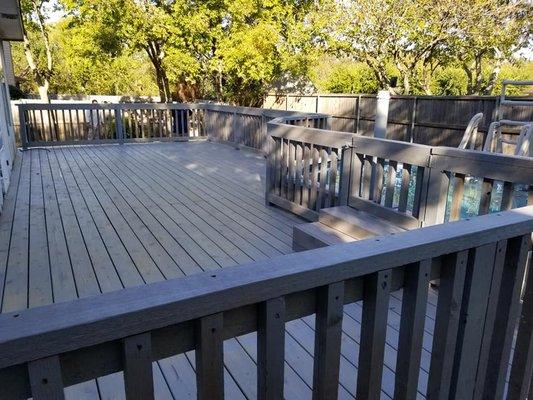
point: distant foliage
(345, 77)
(237, 51)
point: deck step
(353, 222)
(315, 235)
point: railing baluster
(45, 379)
(378, 180)
(452, 277)
(332, 179)
(391, 183)
(507, 196)
(291, 179)
(486, 196)
(457, 196)
(328, 334)
(323, 179)
(478, 280)
(314, 179)
(373, 332)
(209, 356)
(271, 349)
(522, 365)
(306, 166)
(368, 178)
(507, 313)
(138, 374)
(298, 175)
(404, 188)
(413, 317)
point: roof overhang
(10, 21)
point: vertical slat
(328, 334)
(451, 286)
(278, 161)
(306, 166)
(271, 349)
(472, 319)
(346, 166)
(391, 183)
(291, 179)
(332, 179)
(138, 374)
(366, 177)
(373, 332)
(323, 179)
(284, 167)
(356, 175)
(378, 180)
(209, 358)
(420, 190)
(298, 175)
(491, 318)
(457, 197)
(314, 178)
(414, 303)
(486, 196)
(507, 196)
(522, 365)
(404, 189)
(45, 379)
(434, 203)
(507, 314)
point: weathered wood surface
(432, 120)
(121, 216)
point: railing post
(382, 114)
(23, 128)
(346, 166)
(118, 125)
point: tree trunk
(493, 77)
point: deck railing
(410, 184)
(481, 264)
(43, 124)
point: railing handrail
(43, 331)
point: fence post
(23, 128)
(382, 114)
(118, 125)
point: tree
(489, 32)
(421, 36)
(37, 46)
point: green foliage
(344, 77)
(235, 51)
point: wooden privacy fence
(409, 184)
(431, 120)
(480, 262)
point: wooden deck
(79, 221)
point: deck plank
(107, 217)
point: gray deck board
(79, 221)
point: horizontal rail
(84, 338)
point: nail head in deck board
(328, 333)
(45, 379)
(413, 318)
(209, 356)
(271, 349)
(373, 332)
(138, 373)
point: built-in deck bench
(340, 224)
